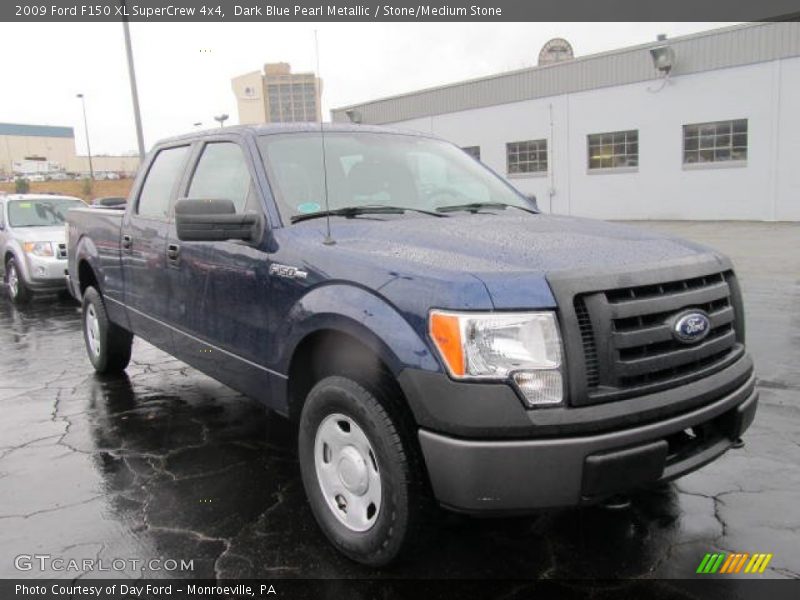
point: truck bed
(98, 228)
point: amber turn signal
(445, 331)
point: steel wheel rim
(348, 472)
(92, 330)
(13, 281)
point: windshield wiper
(474, 207)
(353, 211)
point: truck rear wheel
(107, 344)
(357, 459)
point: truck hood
(510, 253)
(54, 233)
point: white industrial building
(714, 134)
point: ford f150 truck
(436, 338)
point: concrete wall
(60, 150)
(766, 188)
(786, 179)
(17, 147)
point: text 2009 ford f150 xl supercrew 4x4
(435, 337)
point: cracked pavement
(168, 463)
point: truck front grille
(627, 338)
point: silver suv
(33, 244)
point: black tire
(403, 499)
(109, 345)
(66, 297)
(18, 290)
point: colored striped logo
(736, 562)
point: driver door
(220, 290)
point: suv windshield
(40, 212)
(377, 169)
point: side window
(160, 181)
(222, 174)
(2, 214)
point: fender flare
(86, 251)
(363, 315)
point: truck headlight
(522, 347)
(38, 248)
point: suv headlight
(522, 347)
(38, 248)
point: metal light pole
(86, 129)
(132, 76)
(221, 119)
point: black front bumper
(518, 475)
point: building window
(473, 151)
(613, 150)
(719, 141)
(527, 157)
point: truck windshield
(40, 212)
(378, 169)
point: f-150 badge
(287, 272)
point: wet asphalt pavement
(168, 463)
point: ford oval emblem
(691, 327)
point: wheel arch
(86, 276)
(86, 259)
(338, 350)
(366, 328)
(15, 251)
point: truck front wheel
(17, 288)
(362, 481)
(107, 344)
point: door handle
(127, 242)
(173, 252)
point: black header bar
(277, 11)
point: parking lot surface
(166, 463)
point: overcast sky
(184, 70)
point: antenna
(329, 241)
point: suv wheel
(107, 344)
(18, 290)
(362, 480)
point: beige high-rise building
(277, 95)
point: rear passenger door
(220, 290)
(143, 246)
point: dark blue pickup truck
(436, 338)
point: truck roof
(276, 128)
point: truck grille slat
(640, 360)
(668, 303)
(642, 336)
(642, 351)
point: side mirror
(213, 221)
(532, 199)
